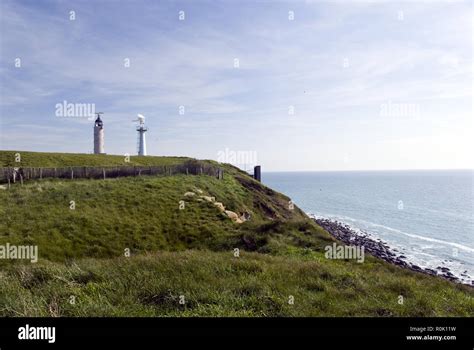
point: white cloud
(424, 59)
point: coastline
(379, 249)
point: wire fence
(12, 175)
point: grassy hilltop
(188, 252)
(41, 159)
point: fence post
(103, 172)
(257, 173)
(41, 173)
(72, 173)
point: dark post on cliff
(257, 173)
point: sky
(290, 85)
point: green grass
(140, 213)
(50, 160)
(219, 284)
(189, 252)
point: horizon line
(362, 170)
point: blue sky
(310, 93)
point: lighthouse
(141, 129)
(99, 135)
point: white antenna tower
(142, 129)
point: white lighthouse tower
(142, 129)
(98, 135)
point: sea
(425, 215)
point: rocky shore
(378, 248)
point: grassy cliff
(182, 248)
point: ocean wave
(373, 224)
(415, 255)
(428, 239)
